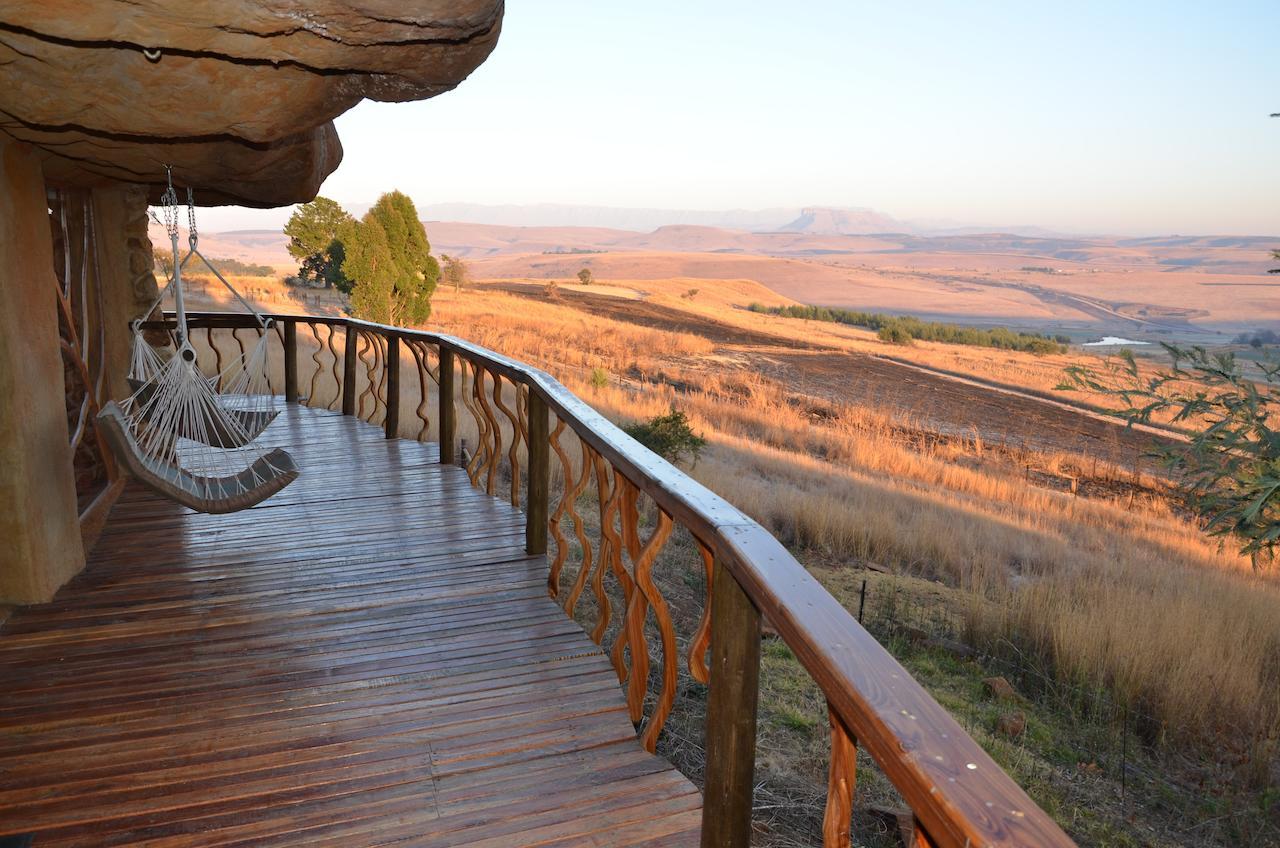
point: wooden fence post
(731, 714)
(291, 361)
(392, 424)
(349, 372)
(536, 507)
(448, 415)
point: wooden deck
(368, 658)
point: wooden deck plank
(368, 658)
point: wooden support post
(392, 424)
(291, 361)
(536, 507)
(448, 414)
(731, 714)
(349, 372)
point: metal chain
(169, 204)
(192, 235)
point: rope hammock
(187, 436)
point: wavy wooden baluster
(469, 394)
(513, 452)
(315, 358)
(568, 499)
(278, 326)
(580, 582)
(336, 361)
(368, 343)
(841, 781)
(421, 357)
(522, 420)
(493, 431)
(235, 334)
(648, 589)
(379, 365)
(553, 522)
(522, 410)
(610, 552)
(217, 354)
(636, 604)
(701, 642)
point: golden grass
(1121, 591)
(1118, 590)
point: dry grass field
(1039, 532)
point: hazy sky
(1096, 117)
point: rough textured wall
(238, 95)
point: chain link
(169, 205)
(192, 235)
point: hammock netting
(190, 436)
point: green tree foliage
(389, 259)
(584, 276)
(313, 232)
(1275, 254)
(894, 333)
(370, 265)
(455, 272)
(1230, 470)
(669, 436)
(903, 329)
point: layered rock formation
(237, 95)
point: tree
(370, 265)
(389, 258)
(669, 436)
(584, 276)
(455, 272)
(1230, 469)
(313, 232)
(1275, 254)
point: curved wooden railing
(520, 417)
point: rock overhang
(238, 96)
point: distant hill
(616, 218)
(821, 220)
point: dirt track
(937, 401)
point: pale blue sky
(1084, 116)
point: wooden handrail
(958, 794)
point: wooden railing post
(731, 714)
(291, 361)
(448, 414)
(537, 505)
(392, 424)
(349, 372)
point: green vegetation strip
(904, 329)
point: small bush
(584, 276)
(894, 334)
(669, 436)
(552, 290)
(690, 294)
(599, 378)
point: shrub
(599, 376)
(584, 276)
(669, 436)
(894, 334)
(1230, 471)
(902, 329)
